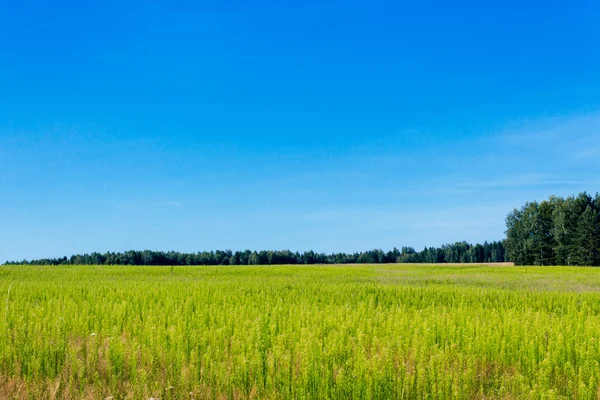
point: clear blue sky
(333, 126)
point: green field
(307, 332)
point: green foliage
(588, 238)
(311, 332)
(555, 231)
(457, 252)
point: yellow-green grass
(306, 332)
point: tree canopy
(459, 252)
(556, 231)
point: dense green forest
(459, 252)
(556, 231)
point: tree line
(556, 231)
(459, 252)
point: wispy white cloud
(365, 227)
(589, 153)
(574, 136)
(552, 154)
(170, 204)
(524, 180)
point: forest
(460, 252)
(557, 231)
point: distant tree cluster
(556, 231)
(460, 252)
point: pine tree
(566, 217)
(588, 238)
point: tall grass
(339, 332)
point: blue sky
(333, 126)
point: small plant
(306, 332)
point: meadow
(304, 332)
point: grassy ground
(310, 332)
